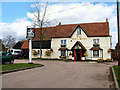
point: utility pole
(118, 24)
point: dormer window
(78, 31)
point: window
(63, 42)
(63, 52)
(95, 53)
(39, 53)
(78, 31)
(95, 41)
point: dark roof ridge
(82, 23)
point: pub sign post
(30, 35)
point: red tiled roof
(63, 49)
(63, 31)
(25, 45)
(96, 48)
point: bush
(108, 60)
(100, 60)
(48, 53)
(34, 52)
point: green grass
(117, 72)
(6, 67)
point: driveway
(59, 74)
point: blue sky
(13, 14)
(13, 10)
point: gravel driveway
(59, 74)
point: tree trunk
(41, 42)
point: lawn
(117, 72)
(7, 67)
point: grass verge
(117, 72)
(6, 67)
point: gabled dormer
(78, 32)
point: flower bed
(102, 60)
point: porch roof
(63, 49)
(96, 48)
(80, 44)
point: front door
(77, 55)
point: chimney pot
(106, 19)
(59, 23)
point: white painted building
(89, 41)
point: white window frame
(66, 52)
(79, 31)
(93, 53)
(64, 42)
(39, 52)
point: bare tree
(39, 19)
(8, 41)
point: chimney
(59, 23)
(106, 19)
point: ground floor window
(39, 52)
(95, 53)
(63, 52)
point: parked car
(16, 53)
(6, 57)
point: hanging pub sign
(30, 32)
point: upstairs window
(63, 42)
(95, 41)
(78, 31)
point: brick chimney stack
(59, 23)
(106, 19)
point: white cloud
(17, 29)
(114, 38)
(80, 13)
(68, 13)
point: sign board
(30, 32)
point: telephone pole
(118, 26)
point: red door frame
(80, 55)
(74, 55)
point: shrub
(70, 53)
(108, 60)
(100, 60)
(34, 52)
(48, 53)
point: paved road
(58, 74)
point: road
(59, 74)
